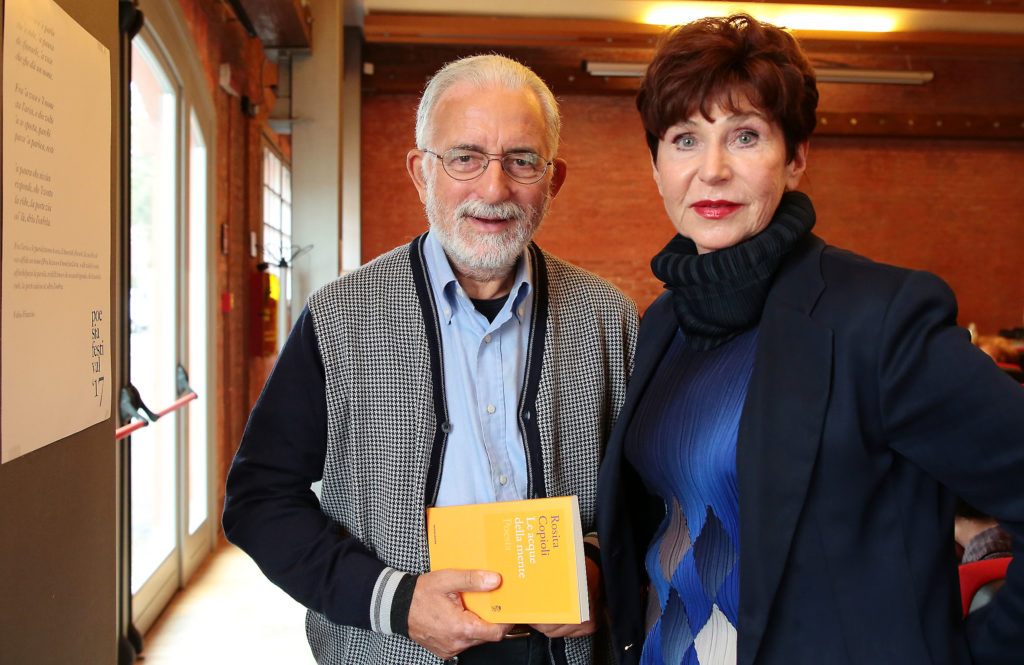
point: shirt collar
(446, 288)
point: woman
(780, 483)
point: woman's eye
(685, 142)
(746, 138)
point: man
(466, 367)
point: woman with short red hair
(780, 484)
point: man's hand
(578, 629)
(440, 622)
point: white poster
(56, 309)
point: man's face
(485, 223)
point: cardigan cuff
(389, 606)
(401, 603)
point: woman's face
(722, 179)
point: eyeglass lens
(523, 167)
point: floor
(229, 613)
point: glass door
(152, 311)
(169, 333)
(196, 534)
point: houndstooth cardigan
(378, 338)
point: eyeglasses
(526, 168)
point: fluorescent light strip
(635, 69)
(792, 17)
(828, 75)
(840, 75)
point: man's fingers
(453, 581)
(439, 621)
(471, 580)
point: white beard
(483, 256)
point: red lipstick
(715, 209)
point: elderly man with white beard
(469, 366)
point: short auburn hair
(720, 60)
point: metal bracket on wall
(921, 125)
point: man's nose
(494, 184)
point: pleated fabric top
(682, 441)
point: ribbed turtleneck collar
(718, 295)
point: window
(277, 232)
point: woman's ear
(414, 165)
(796, 166)
(657, 174)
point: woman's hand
(578, 629)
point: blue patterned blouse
(682, 441)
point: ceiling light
(791, 17)
(842, 75)
(615, 68)
(823, 74)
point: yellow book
(535, 544)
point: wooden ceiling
(975, 94)
(976, 91)
(406, 48)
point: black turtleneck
(718, 295)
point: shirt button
(447, 311)
(487, 338)
(520, 311)
(490, 408)
(502, 479)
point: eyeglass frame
(492, 157)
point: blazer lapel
(657, 328)
(779, 435)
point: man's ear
(414, 165)
(558, 175)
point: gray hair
(486, 71)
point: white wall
(316, 153)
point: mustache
(503, 210)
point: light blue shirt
(484, 366)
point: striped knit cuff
(392, 595)
(400, 604)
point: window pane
(286, 220)
(277, 231)
(274, 181)
(271, 245)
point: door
(169, 328)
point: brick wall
(950, 206)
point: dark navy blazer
(867, 411)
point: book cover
(535, 544)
